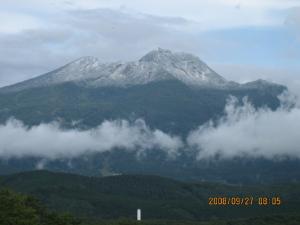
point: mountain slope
(172, 92)
(168, 105)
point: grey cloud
(245, 73)
(30, 53)
(108, 34)
(51, 142)
(293, 18)
(292, 25)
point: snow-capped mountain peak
(82, 68)
(157, 56)
(159, 64)
(184, 67)
(86, 61)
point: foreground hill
(159, 198)
(20, 209)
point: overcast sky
(241, 39)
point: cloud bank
(51, 141)
(246, 131)
(242, 131)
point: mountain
(175, 92)
(159, 198)
(172, 92)
(157, 65)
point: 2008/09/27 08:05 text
(244, 201)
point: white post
(139, 215)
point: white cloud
(243, 131)
(246, 131)
(51, 141)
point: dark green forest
(170, 106)
(57, 198)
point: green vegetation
(170, 106)
(20, 209)
(267, 220)
(159, 198)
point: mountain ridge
(157, 65)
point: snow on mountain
(159, 64)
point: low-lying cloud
(51, 141)
(242, 131)
(246, 131)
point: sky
(242, 40)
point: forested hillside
(159, 198)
